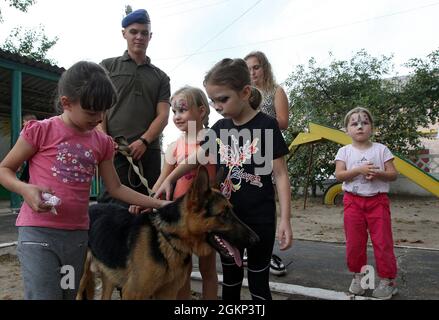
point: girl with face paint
(247, 147)
(191, 114)
(366, 168)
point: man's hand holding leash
(138, 148)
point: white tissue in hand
(52, 200)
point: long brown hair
(234, 74)
(89, 84)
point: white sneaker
(355, 287)
(386, 289)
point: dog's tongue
(235, 252)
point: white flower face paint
(359, 128)
(359, 120)
(180, 105)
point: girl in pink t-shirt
(366, 168)
(191, 113)
(63, 153)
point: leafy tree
(323, 95)
(32, 43)
(21, 5)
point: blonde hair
(357, 110)
(268, 82)
(195, 97)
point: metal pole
(16, 121)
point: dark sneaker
(276, 266)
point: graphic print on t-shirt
(234, 157)
(360, 179)
(74, 163)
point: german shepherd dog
(148, 255)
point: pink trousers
(363, 214)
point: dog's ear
(199, 187)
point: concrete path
(317, 270)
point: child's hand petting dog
(134, 209)
(138, 209)
(165, 203)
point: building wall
(403, 186)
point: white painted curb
(10, 244)
(285, 288)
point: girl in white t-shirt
(366, 167)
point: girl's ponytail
(206, 118)
(255, 98)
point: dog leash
(124, 149)
(168, 239)
(166, 236)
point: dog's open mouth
(225, 248)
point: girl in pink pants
(366, 168)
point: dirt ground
(415, 223)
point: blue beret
(138, 16)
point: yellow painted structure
(331, 193)
(318, 132)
